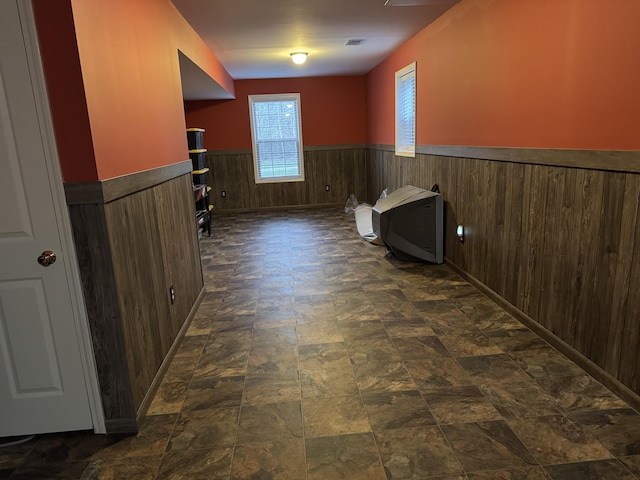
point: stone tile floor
(316, 357)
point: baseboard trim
(604, 377)
(157, 380)
(121, 425)
(218, 211)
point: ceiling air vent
(354, 42)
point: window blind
(276, 137)
(406, 111)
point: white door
(42, 378)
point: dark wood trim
(381, 146)
(118, 187)
(84, 193)
(105, 191)
(153, 389)
(320, 148)
(312, 148)
(610, 160)
(121, 425)
(591, 368)
(278, 208)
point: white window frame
(292, 97)
(406, 111)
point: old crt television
(410, 223)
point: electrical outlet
(172, 294)
(224, 194)
(327, 188)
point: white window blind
(276, 134)
(406, 111)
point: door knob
(47, 258)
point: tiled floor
(315, 357)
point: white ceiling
(253, 38)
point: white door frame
(62, 214)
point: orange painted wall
(333, 111)
(525, 73)
(128, 55)
(61, 62)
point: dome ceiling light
(299, 57)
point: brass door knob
(47, 258)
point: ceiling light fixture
(299, 57)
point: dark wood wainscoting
(560, 244)
(341, 167)
(93, 249)
(131, 250)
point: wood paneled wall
(93, 249)
(342, 168)
(560, 244)
(131, 250)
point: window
(406, 111)
(276, 133)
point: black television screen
(410, 223)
